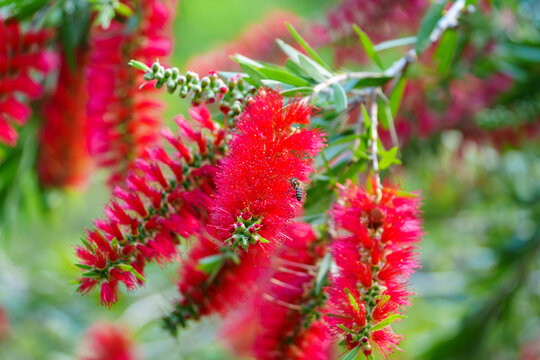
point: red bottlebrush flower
(123, 119)
(106, 341)
(63, 154)
(288, 309)
(375, 256)
(256, 41)
(4, 324)
(254, 199)
(165, 196)
(21, 58)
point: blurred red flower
(124, 119)
(22, 57)
(63, 153)
(107, 341)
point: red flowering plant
(245, 194)
(238, 194)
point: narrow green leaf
(241, 59)
(324, 267)
(388, 158)
(284, 76)
(367, 121)
(343, 327)
(433, 15)
(372, 81)
(396, 96)
(411, 40)
(352, 300)
(308, 48)
(384, 323)
(139, 65)
(368, 46)
(123, 9)
(445, 51)
(263, 240)
(340, 97)
(296, 90)
(131, 269)
(352, 354)
(83, 266)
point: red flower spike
(21, 54)
(144, 219)
(255, 178)
(123, 119)
(375, 255)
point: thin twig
(374, 144)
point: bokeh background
(478, 292)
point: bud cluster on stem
(232, 94)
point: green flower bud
(205, 82)
(155, 67)
(171, 86)
(148, 76)
(183, 91)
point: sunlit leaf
(308, 48)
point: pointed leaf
(384, 323)
(445, 51)
(139, 65)
(131, 269)
(388, 158)
(367, 120)
(368, 46)
(316, 71)
(284, 76)
(296, 90)
(396, 96)
(352, 300)
(430, 20)
(352, 354)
